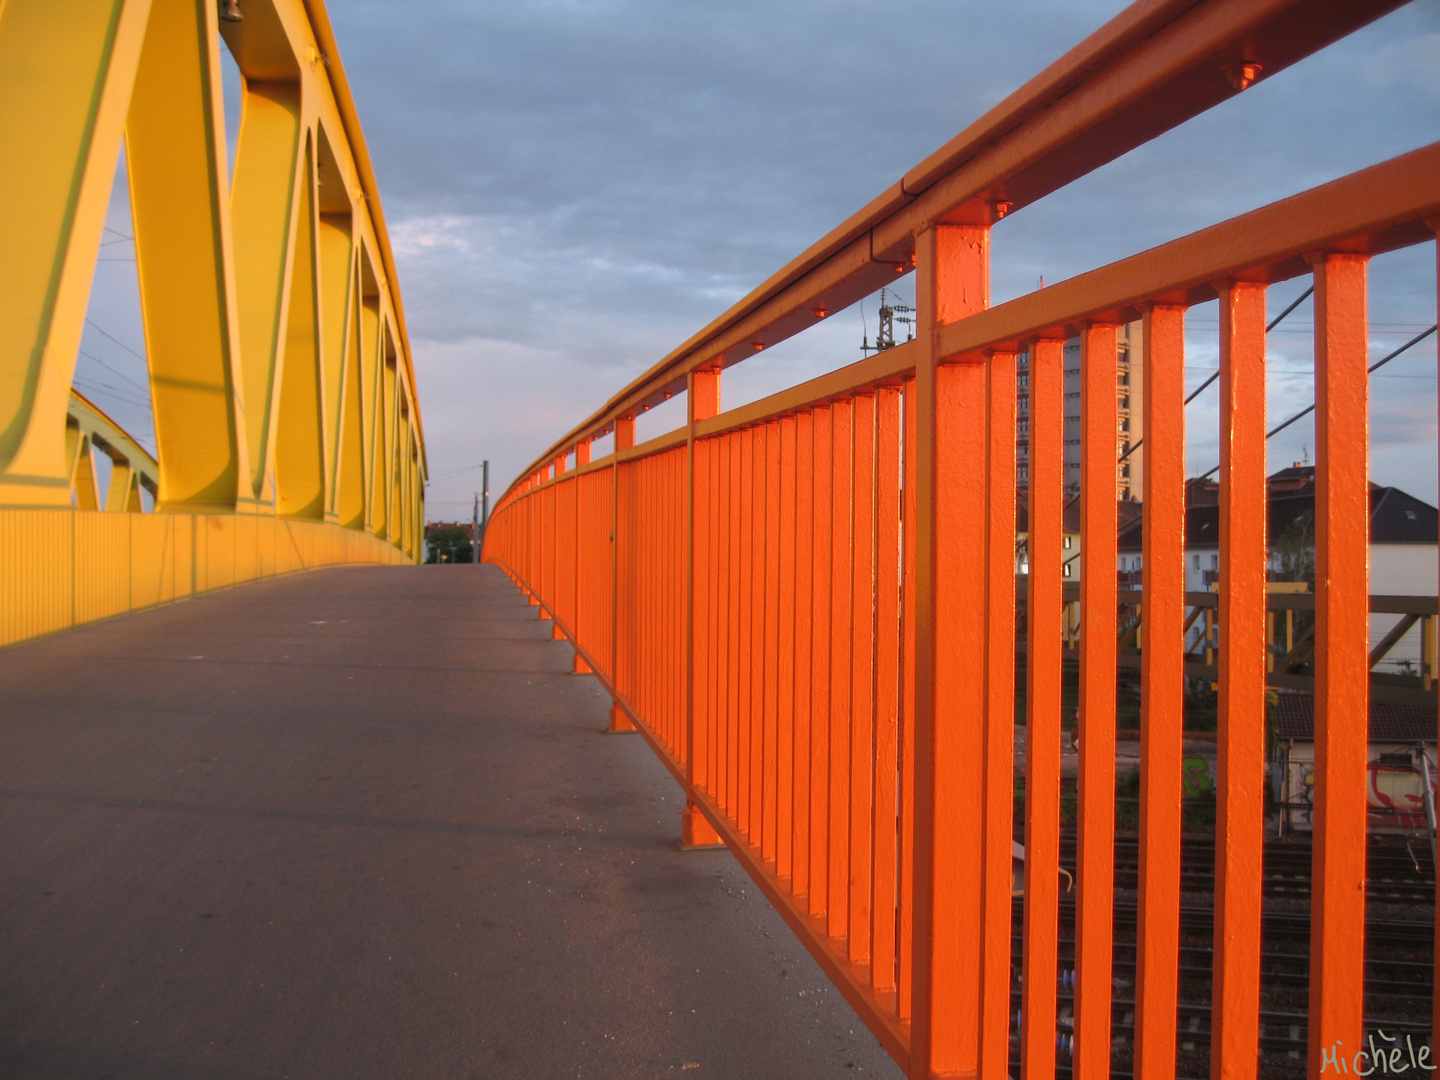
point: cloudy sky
(573, 187)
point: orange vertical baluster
(703, 401)
(785, 657)
(1342, 664)
(716, 688)
(656, 663)
(608, 509)
(904, 967)
(862, 680)
(759, 659)
(545, 539)
(571, 501)
(820, 666)
(804, 604)
(708, 579)
(1094, 914)
(1162, 693)
(680, 682)
(1429, 659)
(735, 630)
(755, 686)
(677, 513)
(670, 543)
(1045, 601)
(645, 664)
(670, 630)
(747, 629)
(769, 810)
(641, 585)
(999, 779)
(885, 777)
(842, 466)
(651, 659)
(1240, 801)
(952, 282)
(725, 625)
(701, 650)
(642, 661)
(618, 718)
(661, 660)
(677, 518)
(654, 614)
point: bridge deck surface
(361, 823)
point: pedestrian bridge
(364, 821)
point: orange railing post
(620, 721)
(952, 282)
(702, 402)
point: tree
(450, 544)
(1292, 553)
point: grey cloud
(576, 187)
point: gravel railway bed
(1399, 962)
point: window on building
(1067, 569)
(1214, 562)
(1197, 562)
(1067, 544)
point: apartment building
(1129, 473)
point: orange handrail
(808, 605)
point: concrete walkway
(361, 823)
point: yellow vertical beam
(123, 494)
(299, 439)
(417, 495)
(349, 482)
(85, 490)
(175, 147)
(335, 264)
(262, 220)
(385, 440)
(369, 318)
(399, 532)
(69, 69)
(407, 487)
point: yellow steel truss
(280, 370)
(88, 429)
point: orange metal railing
(808, 604)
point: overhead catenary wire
(1201, 388)
(1311, 407)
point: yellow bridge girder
(87, 430)
(280, 371)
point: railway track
(1399, 963)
